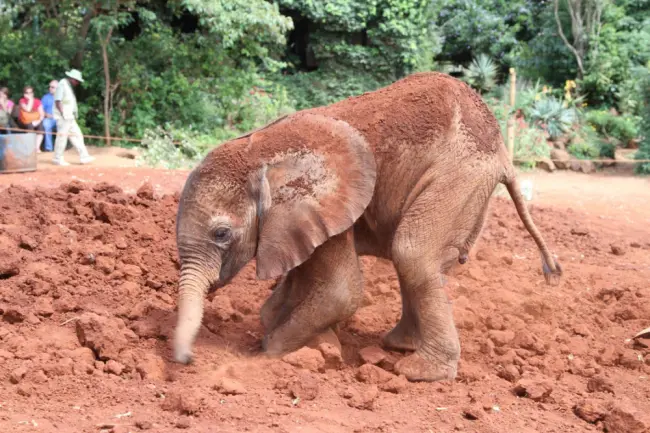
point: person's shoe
(61, 162)
(86, 159)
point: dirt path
(88, 277)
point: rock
(151, 367)
(534, 389)
(229, 386)
(583, 166)
(329, 337)
(560, 158)
(591, 411)
(114, 367)
(600, 384)
(509, 373)
(27, 243)
(43, 307)
(307, 358)
(529, 341)
(362, 399)
(473, 412)
(104, 336)
(65, 303)
(112, 213)
(332, 356)
(501, 338)
(146, 329)
(546, 164)
(38, 377)
(105, 264)
(396, 385)
(630, 359)
(183, 422)
(305, 386)
(14, 315)
(222, 308)
(625, 418)
(617, 249)
(580, 231)
(372, 374)
(607, 162)
(372, 355)
(153, 284)
(17, 375)
(146, 191)
(131, 270)
(388, 363)
(582, 329)
(32, 319)
(143, 424)
(9, 267)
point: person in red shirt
(31, 114)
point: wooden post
(511, 118)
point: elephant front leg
(314, 297)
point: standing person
(66, 113)
(31, 114)
(49, 123)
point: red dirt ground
(88, 277)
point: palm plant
(481, 73)
(551, 115)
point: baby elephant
(403, 173)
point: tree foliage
(193, 69)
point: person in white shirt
(65, 114)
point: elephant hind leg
(427, 243)
(323, 291)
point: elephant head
(274, 195)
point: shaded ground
(87, 295)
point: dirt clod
(372, 355)
(535, 389)
(229, 386)
(591, 411)
(307, 358)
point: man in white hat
(65, 114)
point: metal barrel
(18, 153)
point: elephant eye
(222, 234)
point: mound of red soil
(87, 306)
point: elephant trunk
(193, 288)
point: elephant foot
(399, 339)
(418, 369)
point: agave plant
(481, 73)
(550, 114)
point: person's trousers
(68, 129)
(48, 125)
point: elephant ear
(317, 178)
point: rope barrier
(138, 140)
(99, 137)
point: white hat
(75, 74)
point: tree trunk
(77, 61)
(107, 91)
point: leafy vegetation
(186, 75)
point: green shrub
(530, 145)
(623, 128)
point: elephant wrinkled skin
(403, 173)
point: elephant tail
(550, 267)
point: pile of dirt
(87, 306)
